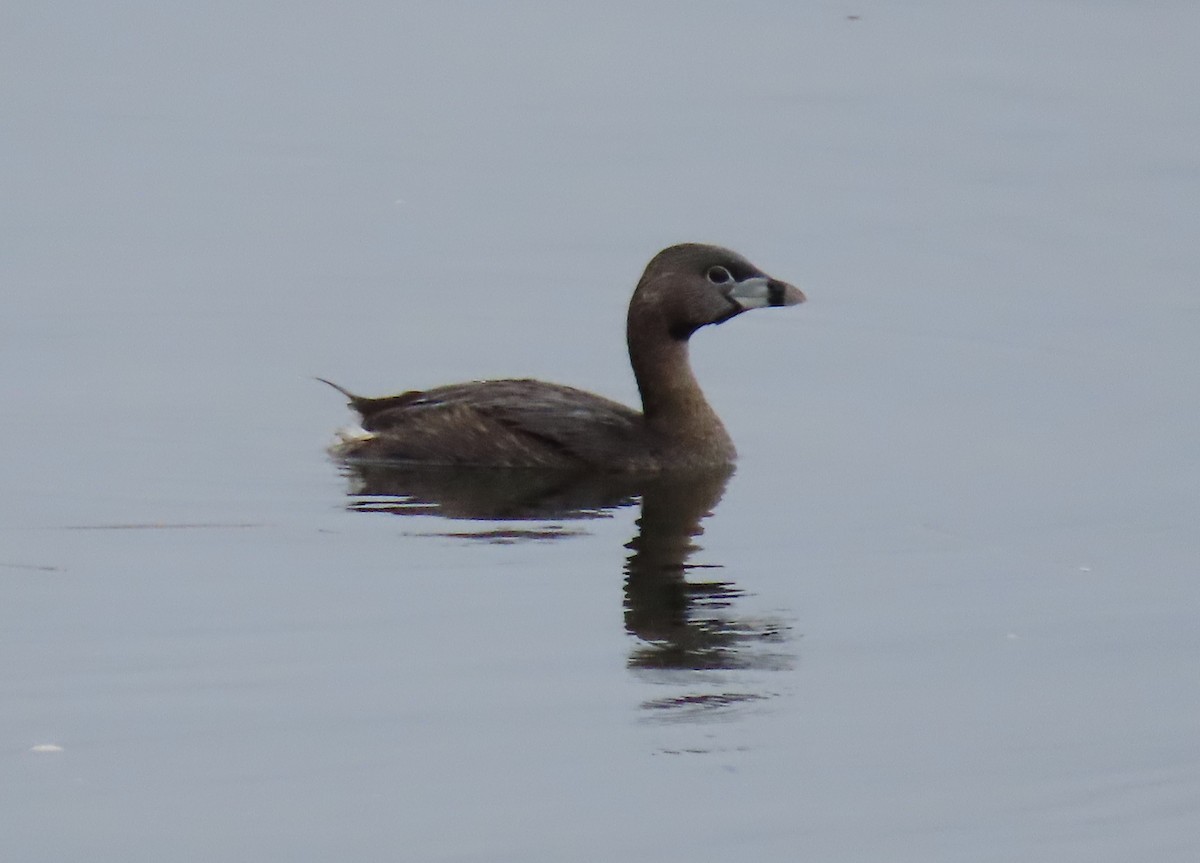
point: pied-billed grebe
(527, 423)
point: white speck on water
(46, 747)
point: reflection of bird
(516, 494)
(526, 423)
(685, 624)
(678, 624)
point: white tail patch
(347, 437)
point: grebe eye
(719, 275)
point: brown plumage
(528, 423)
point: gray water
(945, 610)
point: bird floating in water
(532, 424)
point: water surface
(946, 608)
